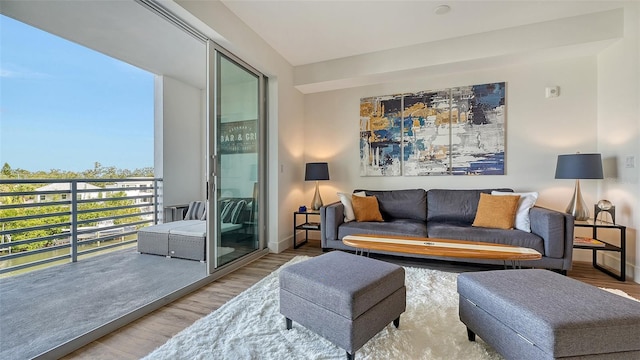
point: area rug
(250, 327)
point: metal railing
(51, 220)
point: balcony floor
(45, 308)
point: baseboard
(281, 245)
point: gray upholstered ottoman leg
(471, 335)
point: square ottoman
(155, 239)
(346, 299)
(538, 314)
(188, 242)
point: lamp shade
(579, 166)
(316, 171)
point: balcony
(69, 269)
(49, 221)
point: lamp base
(316, 204)
(577, 207)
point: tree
(98, 172)
(6, 171)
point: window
(64, 196)
(43, 197)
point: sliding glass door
(236, 156)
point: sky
(64, 106)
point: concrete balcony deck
(65, 305)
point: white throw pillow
(345, 199)
(527, 200)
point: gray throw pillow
(195, 211)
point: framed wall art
(455, 131)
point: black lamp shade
(316, 171)
(579, 166)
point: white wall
(537, 130)
(619, 132)
(179, 142)
(285, 111)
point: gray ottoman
(346, 299)
(538, 314)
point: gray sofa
(448, 214)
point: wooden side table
(306, 225)
(622, 249)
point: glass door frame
(213, 160)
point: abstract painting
(380, 135)
(456, 131)
(427, 133)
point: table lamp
(579, 166)
(316, 171)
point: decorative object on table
(302, 208)
(587, 241)
(579, 166)
(316, 171)
(416, 134)
(604, 206)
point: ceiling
(305, 32)
(124, 30)
(302, 31)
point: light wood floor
(144, 335)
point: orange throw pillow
(496, 211)
(366, 208)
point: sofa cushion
(461, 231)
(345, 199)
(498, 212)
(366, 208)
(527, 201)
(455, 205)
(195, 211)
(231, 210)
(401, 227)
(401, 204)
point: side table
(306, 225)
(622, 249)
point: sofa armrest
(556, 229)
(331, 216)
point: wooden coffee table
(441, 247)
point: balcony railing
(45, 220)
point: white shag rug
(250, 326)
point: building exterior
(65, 192)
